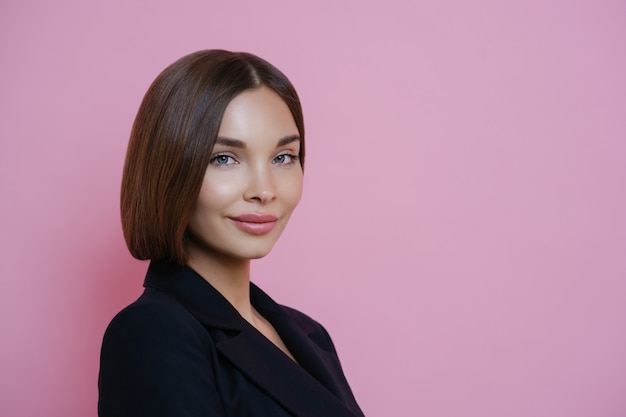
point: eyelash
(215, 157)
(293, 158)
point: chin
(260, 256)
(256, 254)
(248, 252)
(254, 250)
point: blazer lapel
(310, 345)
(280, 377)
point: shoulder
(295, 319)
(154, 331)
(300, 317)
(156, 359)
(317, 332)
(155, 318)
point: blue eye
(285, 159)
(223, 160)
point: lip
(255, 223)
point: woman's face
(253, 181)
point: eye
(222, 160)
(285, 159)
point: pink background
(462, 233)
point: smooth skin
(254, 170)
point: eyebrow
(236, 143)
(287, 140)
(233, 143)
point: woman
(213, 172)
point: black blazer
(182, 350)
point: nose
(261, 187)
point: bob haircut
(173, 137)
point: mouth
(255, 223)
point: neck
(229, 276)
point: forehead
(257, 114)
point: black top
(182, 349)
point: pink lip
(255, 223)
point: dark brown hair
(172, 140)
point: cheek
(293, 191)
(219, 193)
(210, 203)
